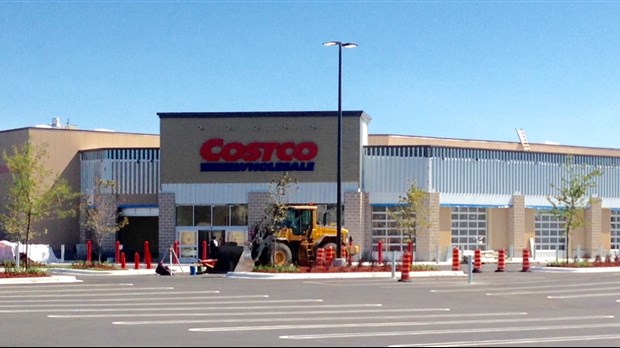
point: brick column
(257, 203)
(516, 224)
(357, 219)
(594, 227)
(427, 236)
(167, 221)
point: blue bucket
(192, 270)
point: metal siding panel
(237, 193)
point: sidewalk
(68, 275)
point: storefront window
(326, 214)
(185, 215)
(202, 215)
(239, 215)
(221, 215)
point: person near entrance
(214, 248)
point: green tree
(101, 215)
(35, 193)
(412, 214)
(572, 196)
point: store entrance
(207, 235)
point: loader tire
(282, 255)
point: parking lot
(509, 308)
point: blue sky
(457, 69)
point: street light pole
(339, 146)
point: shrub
(12, 271)
(93, 265)
(276, 269)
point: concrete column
(516, 224)
(594, 227)
(427, 237)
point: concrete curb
(39, 280)
(103, 272)
(342, 275)
(575, 269)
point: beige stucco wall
(63, 146)
(497, 228)
(593, 238)
(445, 233)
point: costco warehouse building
(211, 176)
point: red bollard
(526, 260)
(501, 261)
(405, 267)
(147, 254)
(380, 251)
(204, 249)
(477, 262)
(117, 252)
(136, 260)
(89, 250)
(176, 251)
(456, 264)
(123, 263)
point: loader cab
(300, 220)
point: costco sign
(257, 156)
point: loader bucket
(246, 263)
(228, 257)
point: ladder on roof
(523, 139)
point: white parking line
(12, 288)
(123, 292)
(583, 295)
(125, 305)
(388, 324)
(452, 331)
(244, 314)
(545, 291)
(579, 287)
(536, 340)
(166, 299)
(306, 319)
(107, 289)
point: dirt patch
(345, 269)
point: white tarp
(36, 252)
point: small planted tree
(275, 211)
(572, 197)
(411, 214)
(101, 215)
(35, 193)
